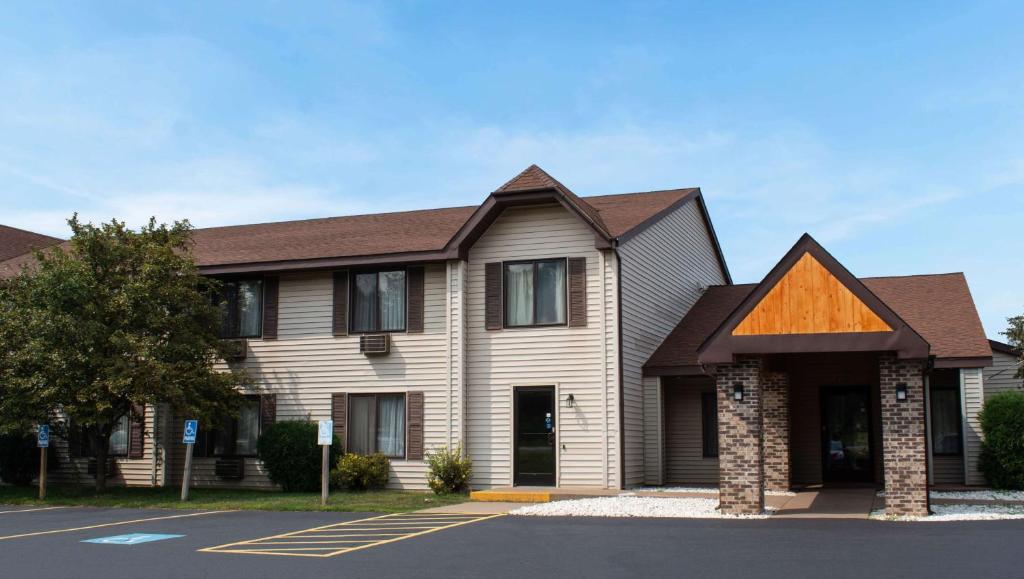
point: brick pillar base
(741, 472)
(775, 406)
(904, 450)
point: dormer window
(535, 293)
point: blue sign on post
(191, 428)
(43, 436)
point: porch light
(570, 400)
(901, 392)
(737, 392)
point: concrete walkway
(830, 503)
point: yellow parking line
(332, 544)
(30, 510)
(37, 533)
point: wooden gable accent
(809, 299)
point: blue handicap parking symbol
(191, 428)
(132, 539)
(43, 436)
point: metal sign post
(325, 435)
(43, 442)
(191, 429)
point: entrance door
(846, 434)
(535, 436)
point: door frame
(513, 430)
(866, 390)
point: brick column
(904, 450)
(775, 405)
(741, 470)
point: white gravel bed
(961, 513)
(702, 490)
(987, 495)
(631, 506)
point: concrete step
(510, 496)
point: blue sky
(892, 132)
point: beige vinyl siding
(973, 398)
(128, 472)
(685, 462)
(664, 269)
(306, 365)
(577, 361)
(1001, 375)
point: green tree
(114, 318)
(1015, 335)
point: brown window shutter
(136, 427)
(577, 292)
(339, 319)
(492, 296)
(414, 408)
(268, 410)
(271, 290)
(414, 324)
(339, 413)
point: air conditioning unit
(230, 468)
(375, 344)
(237, 349)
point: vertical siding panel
(664, 269)
(974, 398)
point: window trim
(263, 304)
(505, 285)
(376, 410)
(931, 419)
(353, 288)
(704, 442)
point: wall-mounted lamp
(570, 400)
(737, 392)
(901, 392)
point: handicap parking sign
(191, 428)
(132, 539)
(43, 436)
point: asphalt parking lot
(49, 543)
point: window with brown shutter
(414, 324)
(339, 412)
(271, 289)
(492, 295)
(339, 319)
(577, 292)
(415, 410)
(136, 440)
(268, 410)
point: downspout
(448, 343)
(928, 429)
(622, 399)
(963, 420)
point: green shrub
(449, 471)
(291, 455)
(1002, 452)
(361, 472)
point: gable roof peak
(530, 179)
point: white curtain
(946, 421)
(119, 438)
(248, 428)
(250, 307)
(365, 309)
(551, 292)
(391, 425)
(360, 420)
(392, 300)
(519, 294)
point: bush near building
(291, 455)
(1002, 452)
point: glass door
(846, 434)
(535, 436)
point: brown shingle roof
(939, 307)
(15, 242)
(407, 232)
